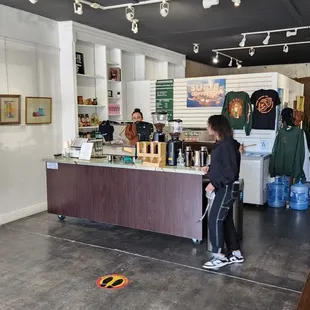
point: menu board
(164, 97)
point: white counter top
(105, 163)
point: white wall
(195, 69)
(138, 96)
(29, 66)
(292, 71)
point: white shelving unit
(114, 61)
(93, 84)
(101, 52)
(97, 82)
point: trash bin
(237, 215)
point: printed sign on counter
(206, 93)
(52, 166)
(264, 145)
(164, 97)
(86, 150)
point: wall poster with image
(9, 109)
(206, 93)
(79, 58)
(38, 110)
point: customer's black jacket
(225, 163)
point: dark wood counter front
(164, 202)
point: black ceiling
(214, 28)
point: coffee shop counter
(165, 200)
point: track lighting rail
(259, 46)
(95, 5)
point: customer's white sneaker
(216, 262)
(236, 257)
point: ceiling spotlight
(238, 64)
(230, 63)
(252, 51)
(208, 3)
(266, 41)
(78, 8)
(242, 43)
(33, 1)
(236, 2)
(196, 48)
(291, 33)
(216, 58)
(134, 26)
(130, 13)
(285, 48)
(95, 5)
(164, 8)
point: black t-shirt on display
(264, 112)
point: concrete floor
(48, 264)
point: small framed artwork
(9, 109)
(38, 110)
(79, 63)
(115, 74)
(110, 93)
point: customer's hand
(210, 188)
(205, 170)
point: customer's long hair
(220, 125)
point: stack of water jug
(279, 193)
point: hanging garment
(107, 130)
(237, 109)
(306, 166)
(288, 154)
(264, 112)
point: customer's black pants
(220, 222)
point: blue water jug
(299, 196)
(286, 181)
(308, 185)
(276, 195)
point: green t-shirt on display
(238, 110)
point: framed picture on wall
(9, 109)
(79, 63)
(38, 110)
(115, 74)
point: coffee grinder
(159, 121)
(173, 145)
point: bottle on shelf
(188, 157)
(180, 160)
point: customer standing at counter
(223, 172)
(131, 129)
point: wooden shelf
(89, 127)
(110, 63)
(91, 106)
(90, 76)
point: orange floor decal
(112, 282)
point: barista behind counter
(138, 130)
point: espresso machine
(159, 121)
(174, 144)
